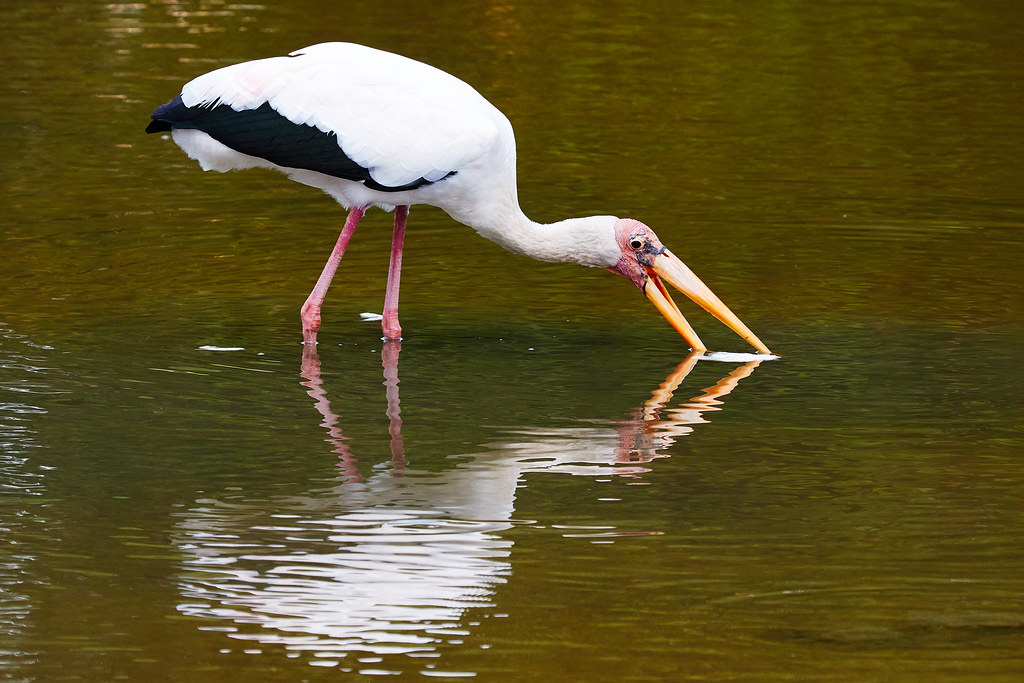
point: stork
(372, 128)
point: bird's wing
(402, 122)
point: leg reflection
(315, 388)
(314, 385)
(389, 358)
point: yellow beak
(670, 269)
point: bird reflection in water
(649, 430)
(402, 562)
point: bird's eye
(636, 243)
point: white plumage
(372, 128)
(399, 118)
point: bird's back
(372, 123)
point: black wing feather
(264, 133)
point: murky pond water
(539, 482)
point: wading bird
(371, 128)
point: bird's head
(648, 264)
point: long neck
(588, 241)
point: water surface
(539, 482)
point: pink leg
(310, 312)
(392, 330)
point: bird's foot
(310, 316)
(389, 324)
(309, 333)
(310, 320)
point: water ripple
(382, 581)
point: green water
(539, 484)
